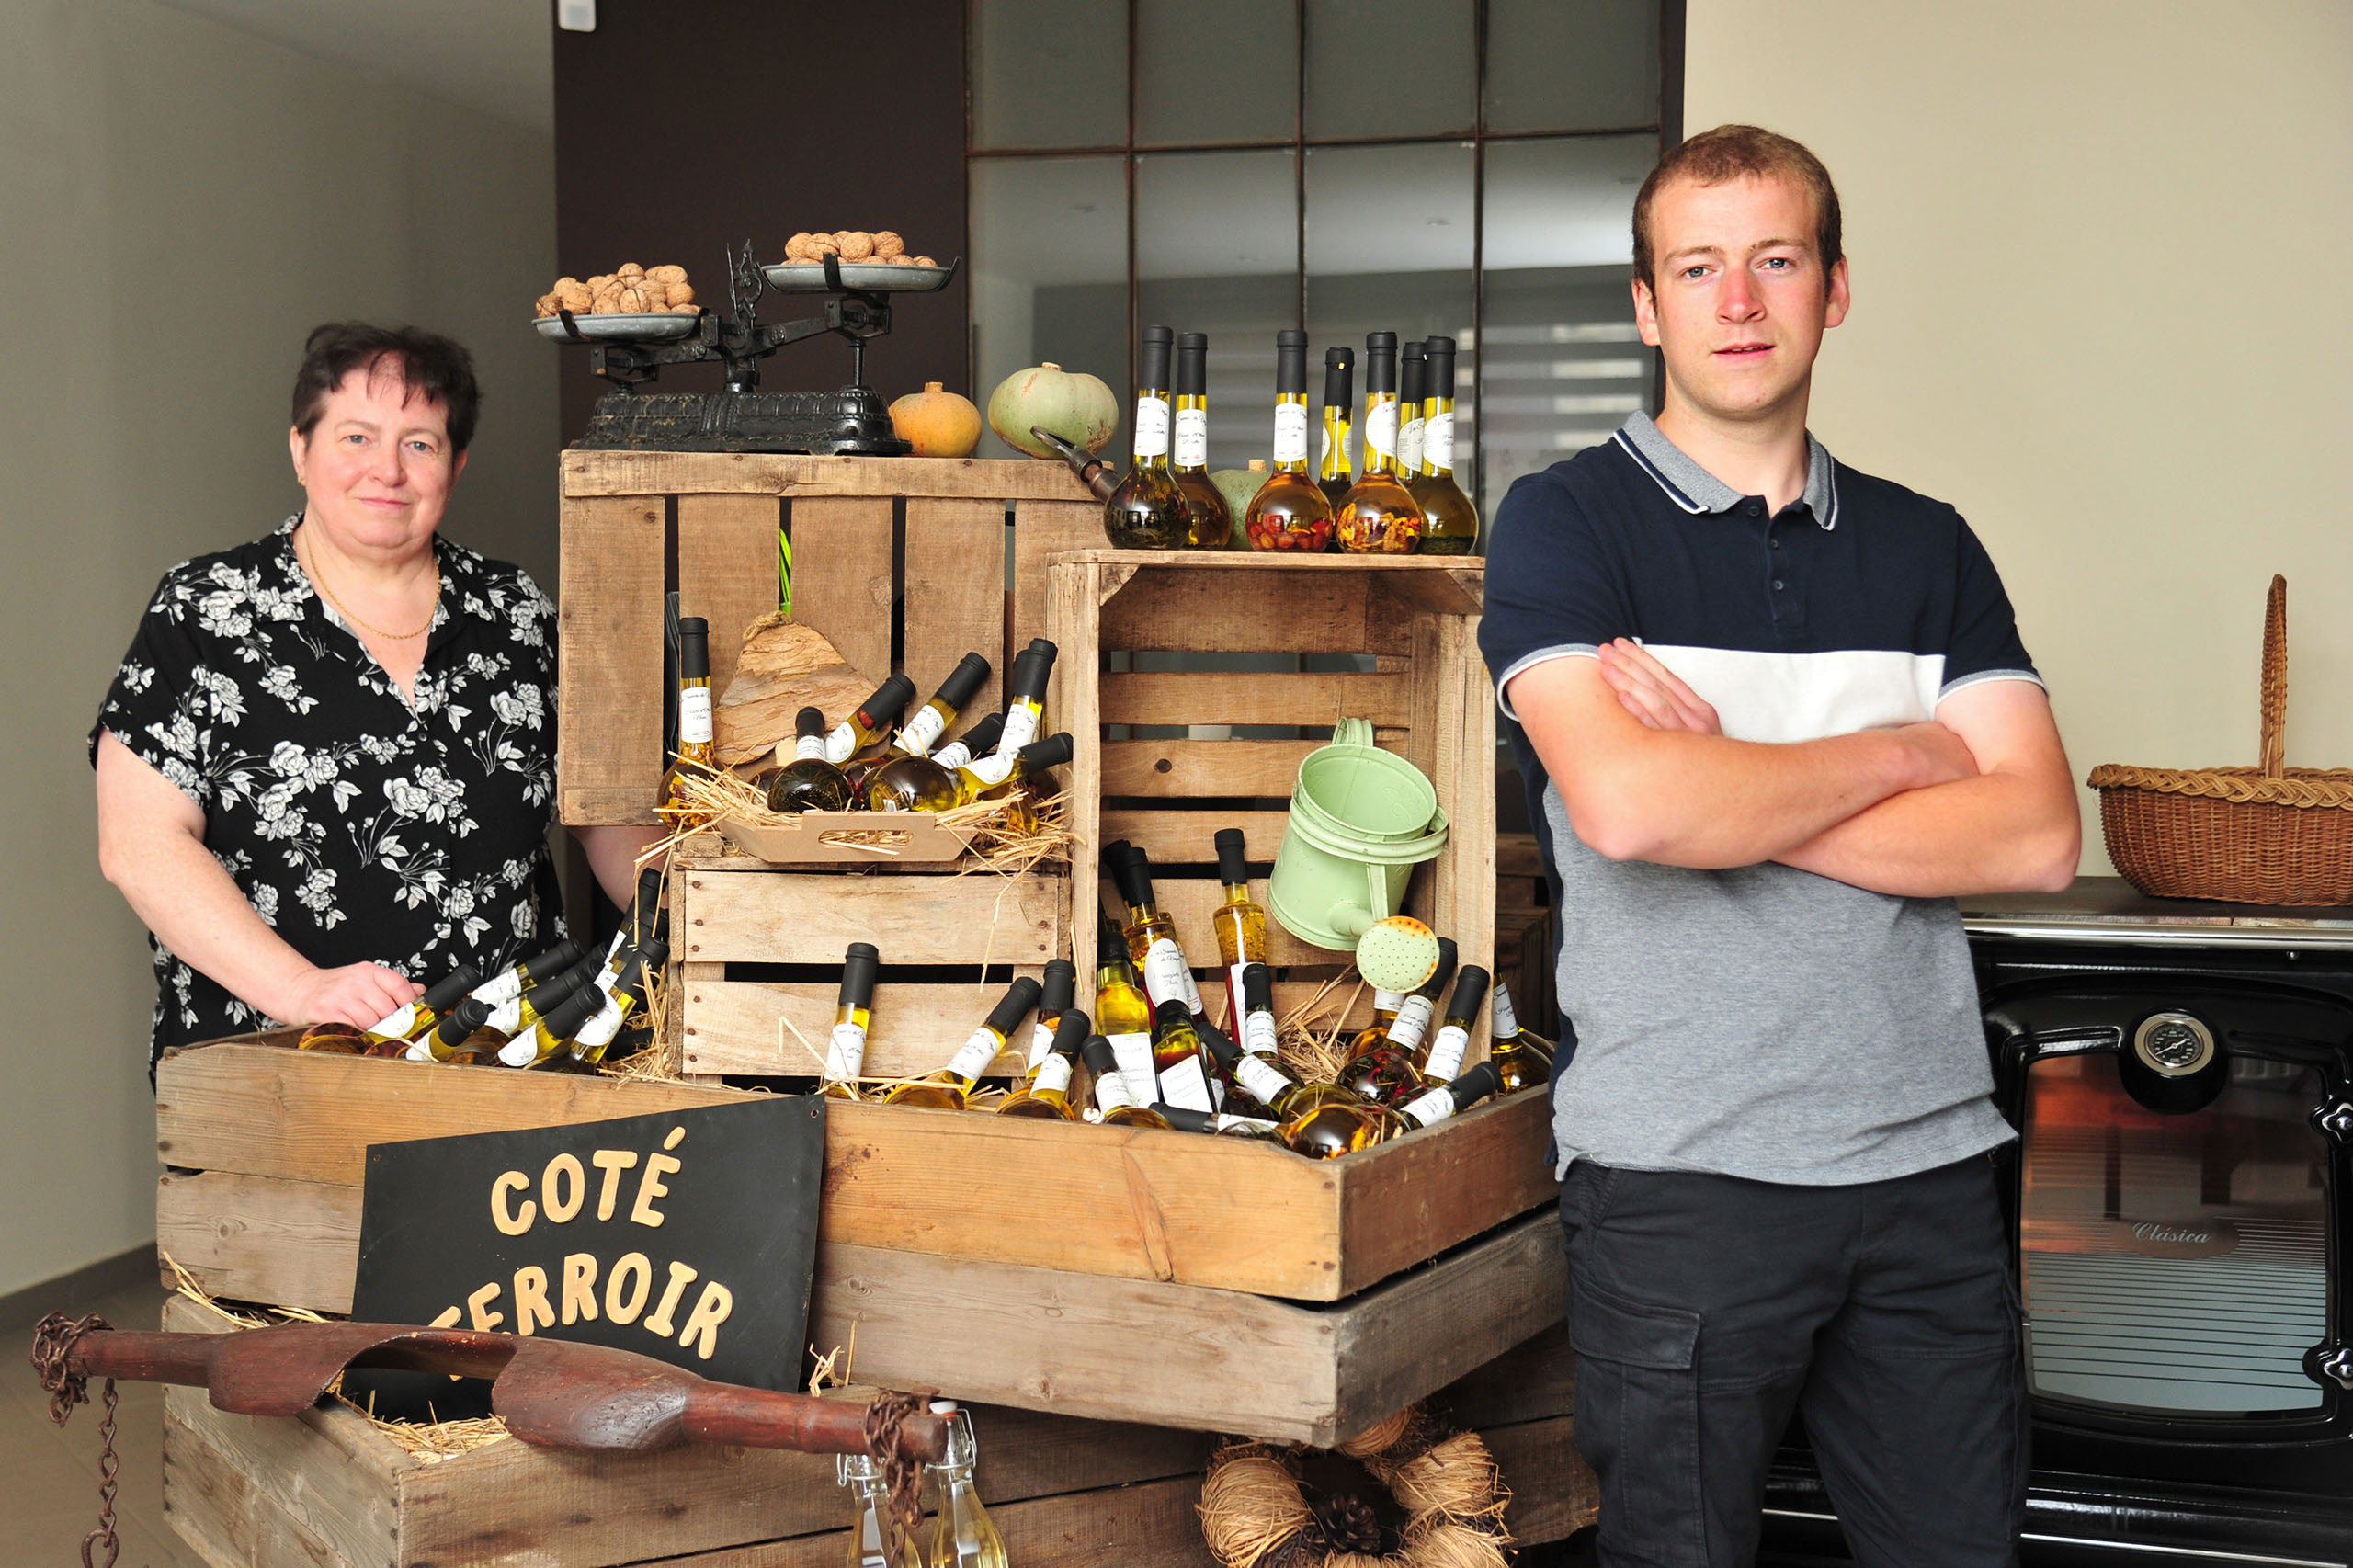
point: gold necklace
(320, 578)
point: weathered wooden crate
(327, 1489)
(898, 561)
(1102, 1272)
(1411, 621)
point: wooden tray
(814, 838)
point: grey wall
(181, 201)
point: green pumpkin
(1076, 407)
(1239, 486)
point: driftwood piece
(782, 668)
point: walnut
(561, 284)
(631, 270)
(888, 245)
(795, 247)
(574, 296)
(602, 281)
(669, 272)
(924, 261)
(857, 244)
(902, 259)
(546, 306)
(822, 244)
(634, 301)
(607, 303)
(686, 309)
(680, 295)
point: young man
(1773, 714)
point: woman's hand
(357, 994)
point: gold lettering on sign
(612, 1161)
(681, 1275)
(580, 1288)
(623, 1309)
(703, 1323)
(478, 1308)
(532, 1310)
(567, 1167)
(649, 1187)
(510, 1223)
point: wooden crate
(885, 550)
(1415, 620)
(327, 1489)
(1161, 1277)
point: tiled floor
(48, 1477)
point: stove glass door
(2174, 1264)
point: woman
(326, 768)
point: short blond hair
(1739, 151)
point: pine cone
(1348, 1522)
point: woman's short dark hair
(432, 366)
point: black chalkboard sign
(688, 1236)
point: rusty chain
(54, 1338)
(901, 1475)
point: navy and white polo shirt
(1762, 1022)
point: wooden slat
(737, 1026)
(955, 598)
(1272, 697)
(1553, 1494)
(1213, 610)
(269, 1492)
(1534, 1380)
(1182, 769)
(609, 659)
(766, 473)
(261, 1238)
(727, 561)
(1174, 837)
(784, 917)
(1041, 530)
(1517, 855)
(1416, 1190)
(841, 578)
(1415, 583)
(1074, 592)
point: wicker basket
(2270, 833)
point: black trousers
(1704, 1309)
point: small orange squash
(935, 422)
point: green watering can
(1361, 818)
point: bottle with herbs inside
(1290, 510)
(1449, 522)
(1383, 1072)
(1148, 510)
(1379, 516)
(1210, 525)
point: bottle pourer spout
(1092, 470)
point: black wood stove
(2181, 1077)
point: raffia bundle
(1258, 1510)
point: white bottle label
(953, 755)
(1259, 1080)
(841, 742)
(993, 770)
(1504, 1022)
(1434, 1106)
(396, 1024)
(1409, 448)
(1256, 1124)
(694, 714)
(599, 1031)
(506, 1017)
(973, 1057)
(808, 748)
(502, 987)
(1192, 437)
(1437, 440)
(1054, 1075)
(1020, 728)
(1387, 1002)
(1166, 977)
(922, 729)
(845, 1054)
(1152, 427)
(1133, 1053)
(522, 1050)
(1042, 1042)
(1380, 429)
(1258, 1033)
(1185, 1085)
(1112, 1091)
(1290, 432)
(1446, 1052)
(1413, 1022)
(418, 1050)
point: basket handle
(2274, 760)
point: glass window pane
(1572, 64)
(1389, 249)
(1216, 71)
(1049, 271)
(1217, 251)
(1391, 67)
(1561, 363)
(1049, 74)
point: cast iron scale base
(743, 418)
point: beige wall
(181, 202)
(2097, 253)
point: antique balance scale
(630, 351)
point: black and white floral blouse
(361, 829)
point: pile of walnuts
(853, 244)
(632, 290)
